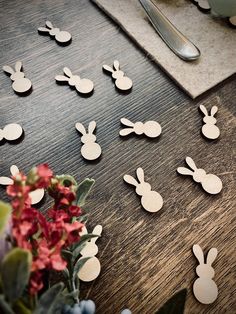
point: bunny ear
(140, 174)
(14, 170)
(67, 71)
(203, 110)
(107, 68)
(97, 231)
(8, 69)
(125, 132)
(127, 178)
(91, 127)
(184, 171)
(6, 181)
(126, 122)
(84, 231)
(61, 78)
(211, 256)
(43, 29)
(214, 110)
(198, 253)
(116, 65)
(79, 127)
(49, 24)
(18, 66)
(191, 163)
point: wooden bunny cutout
(91, 269)
(122, 82)
(149, 128)
(83, 86)
(36, 196)
(20, 83)
(210, 182)
(150, 200)
(209, 129)
(90, 150)
(60, 36)
(204, 288)
(11, 132)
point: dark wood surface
(145, 257)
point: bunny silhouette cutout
(90, 150)
(20, 83)
(204, 288)
(36, 196)
(150, 200)
(60, 36)
(83, 86)
(149, 128)
(210, 182)
(202, 5)
(122, 82)
(92, 268)
(209, 129)
(11, 132)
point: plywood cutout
(20, 83)
(11, 132)
(150, 200)
(210, 182)
(204, 288)
(150, 128)
(62, 37)
(209, 129)
(90, 150)
(36, 196)
(92, 268)
(122, 82)
(83, 86)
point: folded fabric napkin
(215, 39)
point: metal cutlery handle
(176, 41)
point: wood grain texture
(145, 257)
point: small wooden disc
(210, 131)
(90, 270)
(12, 131)
(152, 129)
(205, 290)
(124, 83)
(84, 86)
(63, 37)
(22, 85)
(91, 151)
(152, 201)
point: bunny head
(91, 249)
(205, 270)
(15, 75)
(117, 73)
(209, 119)
(142, 188)
(87, 137)
(198, 174)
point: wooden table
(145, 257)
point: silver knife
(176, 41)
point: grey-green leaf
(15, 273)
(48, 301)
(4, 306)
(83, 190)
(175, 305)
(78, 265)
(5, 213)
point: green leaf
(4, 306)
(15, 272)
(81, 244)
(78, 265)
(20, 308)
(5, 213)
(83, 190)
(48, 301)
(175, 305)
